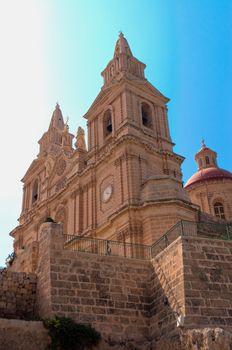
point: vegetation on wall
(66, 334)
(9, 260)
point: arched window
(219, 210)
(35, 191)
(146, 115)
(207, 160)
(200, 162)
(107, 123)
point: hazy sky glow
(55, 50)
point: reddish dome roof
(208, 174)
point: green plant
(66, 334)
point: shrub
(66, 334)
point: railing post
(166, 240)
(181, 228)
(108, 249)
(228, 231)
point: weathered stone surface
(23, 335)
(206, 339)
(17, 294)
(130, 301)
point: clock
(107, 193)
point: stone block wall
(21, 335)
(208, 282)
(109, 292)
(167, 292)
(27, 259)
(17, 295)
(130, 300)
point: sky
(55, 50)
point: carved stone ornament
(60, 215)
(61, 184)
(60, 167)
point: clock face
(106, 193)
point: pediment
(36, 163)
(142, 84)
(103, 93)
(147, 87)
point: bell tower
(128, 132)
(57, 139)
(128, 104)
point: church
(109, 235)
(126, 185)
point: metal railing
(107, 247)
(170, 236)
(139, 251)
(186, 228)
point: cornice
(138, 85)
(142, 205)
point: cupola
(208, 168)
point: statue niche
(80, 140)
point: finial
(203, 143)
(120, 33)
(66, 124)
(57, 105)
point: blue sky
(55, 50)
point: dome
(206, 174)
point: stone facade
(126, 185)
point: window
(146, 115)
(200, 162)
(219, 210)
(107, 123)
(35, 191)
(207, 160)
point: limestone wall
(167, 287)
(31, 335)
(208, 282)
(27, 259)
(129, 299)
(17, 294)
(21, 335)
(111, 293)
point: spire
(123, 64)
(57, 120)
(57, 139)
(122, 46)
